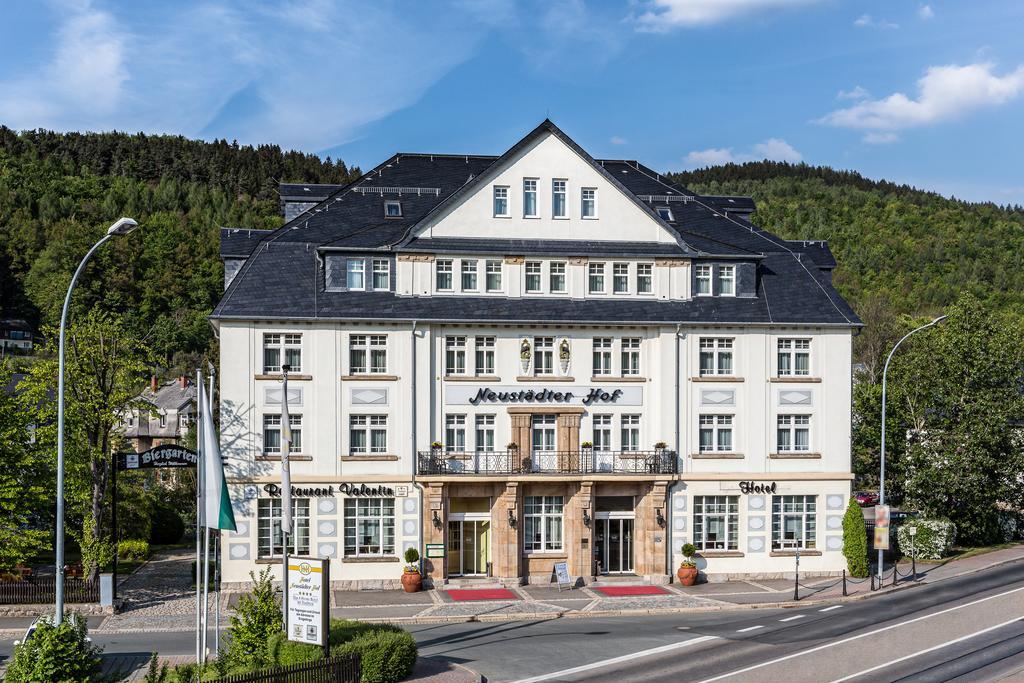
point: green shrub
(55, 653)
(256, 620)
(855, 540)
(156, 672)
(933, 541)
(135, 550)
(282, 652)
(167, 527)
(386, 655)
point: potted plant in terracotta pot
(687, 572)
(412, 580)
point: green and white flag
(217, 505)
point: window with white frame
(542, 523)
(595, 277)
(727, 280)
(443, 274)
(369, 527)
(794, 522)
(630, 356)
(703, 280)
(558, 203)
(381, 274)
(644, 278)
(484, 433)
(794, 357)
(455, 355)
(163, 420)
(368, 354)
(794, 433)
(529, 197)
(665, 213)
(602, 356)
(620, 278)
(493, 275)
(272, 433)
(270, 542)
(455, 433)
(542, 433)
(469, 275)
(588, 202)
(629, 432)
(277, 346)
(715, 433)
(533, 276)
(501, 200)
(543, 355)
(484, 355)
(556, 276)
(355, 277)
(602, 432)
(716, 522)
(367, 434)
(392, 209)
(715, 356)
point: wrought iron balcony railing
(587, 461)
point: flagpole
(286, 490)
(199, 510)
(208, 398)
(216, 583)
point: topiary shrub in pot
(412, 580)
(687, 571)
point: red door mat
(466, 594)
(622, 591)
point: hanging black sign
(167, 455)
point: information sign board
(435, 550)
(881, 527)
(562, 575)
(308, 585)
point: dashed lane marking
(749, 628)
(829, 609)
(794, 617)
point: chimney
(183, 381)
(152, 383)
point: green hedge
(933, 541)
(385, 656)
(135, 550)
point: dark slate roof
(306, 192)
(170, 395)
(239, 242)
(730, 203)
(280, 278)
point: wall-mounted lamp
(659, 518)
(586, 517)
(511, 519)
(437, 520)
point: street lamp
(122, 227)
(885, 372)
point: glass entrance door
(543, 441)
(469, 547)
(613, 545)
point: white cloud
(945, 93)
(858, 93)
(773, 149)
(925, 12)
(862, 20)
(866, 21)
(661, 16)
(616, 140)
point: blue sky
(928, 93)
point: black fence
(585, 461)
(340, 669)
(44, 590)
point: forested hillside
(58, 193)
(916, 249)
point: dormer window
(665, 213)
(703, 280)
(381, 274)
(392, 209)
(501, 201)
(727, 280)
(588, 199)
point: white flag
(217, 512)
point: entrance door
(613, 544)
(469, 546)
(543, 441)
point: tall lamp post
(122, 227)
(885, 373)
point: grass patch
(962, 553)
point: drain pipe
(669, 508)
(412, 451)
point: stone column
(581, 554)
(505, 546)
(435, 500)
(521, 425)
(568, 440)
(649, 539)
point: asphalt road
(971, 628)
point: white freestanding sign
(308, 583)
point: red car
(865, 498)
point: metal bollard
(913, 566)
(844, 583)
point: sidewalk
(546, 602)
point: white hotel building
(535, 358)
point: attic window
(665, 213)
(392, 209)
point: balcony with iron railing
(585, 461)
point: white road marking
(749, 628)
(927, 650)
(858, 636)
(829, 609)
(798, 616)
(618, 660)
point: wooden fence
(340, 669)
(43, 590)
